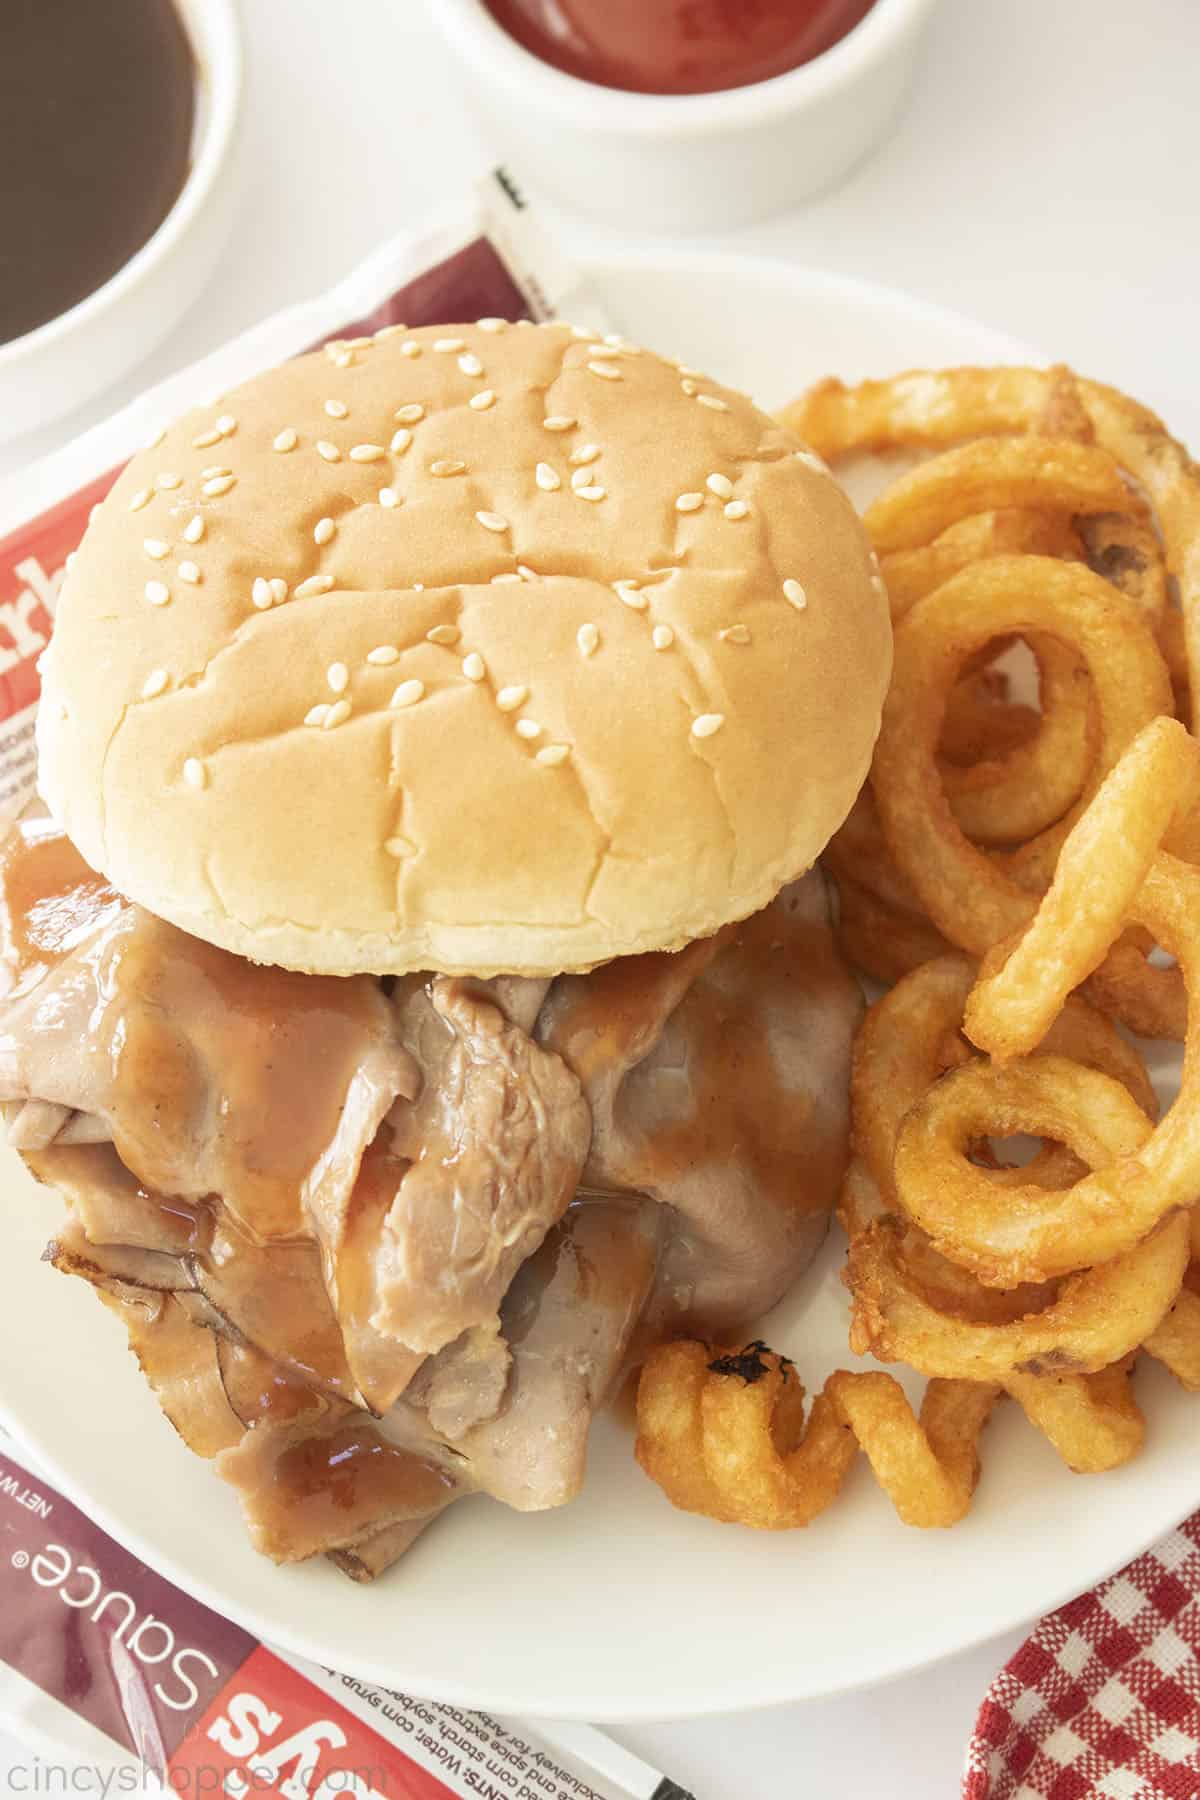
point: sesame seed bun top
(475, 649)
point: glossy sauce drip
(741, 1103)
(354, 1471)
(212, 1055)
(97, 106)
(678, 46)
(50, 901)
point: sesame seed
(586, 453)
(190, 572)
(713, 402)
(492, 325)
(585, 334)
(410, 348)
(168, 480)
(359, 343)
(338, 677)
(721, 486)
(498, 580)
(215, 469)
(287, 440)
(628, 592)
(323, 531)
(316, 584)
(588, 639)
(795, 595)
(408, 693)
(156, 548)
(688, 503)
(605, 352)
(155, 439)
(685, 370)
(481, 401)
(157, 593)
(400, 441)
(581, 478)
(548, 479)
(707, 724)
(328, 451)
(154, 683)
(316, 715)
(526, 573)
(736, 509)
(474, 667)
(399, 847)
(343, 359)
(880, 586)
(528, 728)
(492, 521)
(205, 440)
(735, 634)
(689, 387)
(470, 364)
(367, 453)
(448, 346)
(260, 594)
(142, 498)
(193, 531)
(279, 589)
(226, 425)
(559, 422)
(811, 460)
(509, 698)
(337, 409)
(337, 714)
(447, 465)
(388, 331)
(662, 637)
(409, 415)
(552, 755)
(383, 654)
(195, 773)
(591, 493)
(216, 485)
(443, 634)
(606, 371)
(388, 497)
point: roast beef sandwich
(418, 984)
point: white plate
(618, 1607)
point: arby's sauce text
(678, 46)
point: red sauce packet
(110, 1669)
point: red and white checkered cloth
(1102, 1702)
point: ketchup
(677, 46)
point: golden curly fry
(1101, 868)
(971, 898)
(1097, 1318)
(993, 472)
(1175, 1342)
(722, 1433)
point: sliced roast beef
(493, 1145)
(719, 1083)
(568, 1319)
(214, 1075)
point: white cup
(691, 162)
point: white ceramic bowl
(56, 368)
(693, 162)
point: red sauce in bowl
(677, 46)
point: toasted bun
(349, 674)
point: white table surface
(1044, 180)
